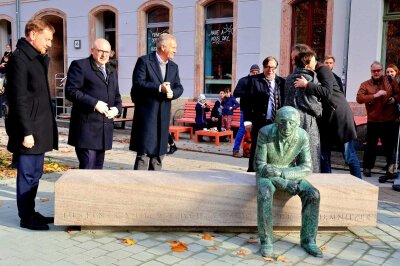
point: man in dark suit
(31, 125)
(92, 87)
(264, 96)
(155, 83)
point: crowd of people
(92, 86)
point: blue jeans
(349, 156)
(240, 134)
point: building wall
(259, 34)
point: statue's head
(287, 120)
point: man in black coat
(264, 96)
(92, 87)
(31, 125)
(155, 83)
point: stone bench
(189, 198)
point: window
(109, 27)
(309, 24)
(218, 47)
(157, 23)
(391, 33)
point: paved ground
(357, 246)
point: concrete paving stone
(160, 249)
(218, 263)
(229, 245)
(139, 236)
(255, 262)
(89, 245)
(236, 240)
(133, 249)
(220, 237)
(335, 246)
(128, 262)
(183, 255)
(379, 253)
(396, 255)
(218, 252)
(73, 250)
(187, 240)
(63, 263)
(78, 259)
(254, 248)
(373, 259)
(119, 254)
(388, 238)
(395, 245)
(153, 263)
(94, 253)
(112, 246)
(315, 261)
(168, 259)
(284, 244)
(391, 262)
(231, 259)
(343, 238)
(121, 234)
(358, 246)
(247, 236)
(205, 256)
(105, 239)
(52, 256)
(12, 261)
(103, 260)
(149, 243)
(81, 238)
(205, 243)
(296, 251)
(191, 262)
(364, 263)
(195, 247)
(143, 256)
(349, 254)
(341, 262)
(194, 235)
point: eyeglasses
(270, 67)
(376, 70)
(102, 51)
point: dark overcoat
(152, 108)
(336, 125)
(86, 86)
(257, 96)
(28, 93)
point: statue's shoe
(312, 249)
(266, 250)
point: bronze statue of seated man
(282, 161)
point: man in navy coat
(155, 83)
(92, 87)
(31, 126)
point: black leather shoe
(33, 223)
(172, 149)
(367, 172)
(44, 219)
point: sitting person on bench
(201, 114)
(216, 112)
(282, 161)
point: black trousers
(386, 131)
(29, 172)
(90, 159)
(254, 135)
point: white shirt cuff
(247, 123)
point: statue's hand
(292, 188)
(273, 171)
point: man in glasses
(265, 95)
(377, 95)
(92, 87)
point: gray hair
(164, 39)
(376, 63)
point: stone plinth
(167, 198)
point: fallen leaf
(243, 252)
(269, 259)
(43, 199)
(323, 248)
(128, 241)
(252, 241)
(207, 237)
(281, 258)
(212, 248)
(177, 246)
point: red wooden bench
(188, 114)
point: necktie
(103, 70)
(272, 100)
